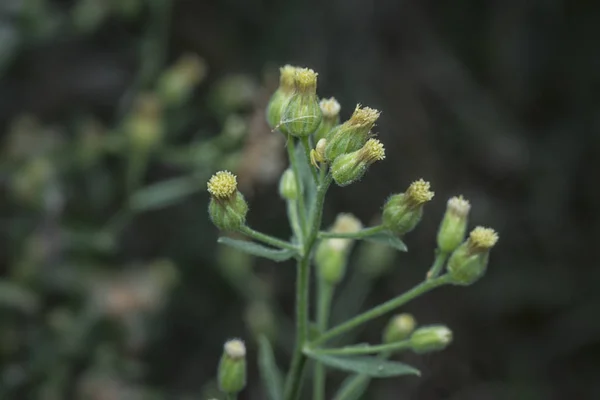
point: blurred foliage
(114, 114)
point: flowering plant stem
(300, 203)
(267, 238)
(364, 349)
(438, 264)
(381, 309)
(293, 383)
(324, 296)
(353, 235)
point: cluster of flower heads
(347, 149)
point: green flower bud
(145, 126)
(331, 256)
(454, 225)
(331, 117)
(469, 261)
(177, 83)
(302, 114)
(227, 207)
(402, 212)
(399, 328)
(350, 167)
(232, 368)
(352, 134)
(430, 338)
(281, 97)
(288, 188)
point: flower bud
(352, 134)
(227, 208)
(177, 83)
(302, 114)
(454, 225)
(399, 328)
(402, 212)
(145, 126)
(332, 254)
(430, 338)
(317, 155)
(350, 167)
(331, 117)
(469, 261)
(281, 97)
(232, 368)
(288, 188)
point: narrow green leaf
(388, 239)
(269, 372)
(164, 194)
(258, 250)
(370, 366)
(353, 387)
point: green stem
(292, 211)
(381, 309)
(324, 296)
(306, 145)
(294, 379)
(267, 239)
(438, 264)
(357, 350)
(301, 206)
(353, 235)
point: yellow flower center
(222, 185)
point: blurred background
(114, 113)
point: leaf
(353, 387)
(369, 366)
(163, 194)
(387, 238)
(258, 250)
(269, 372)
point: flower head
(373, 151)
(287, 75)
(235, 348)
(330, 107)
(483, 239)
(418, 192)
(305, 80)
(459, 206)
(364, 117)
(222, 185)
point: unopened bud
(402, 212)
(352, 134)
(331, 117)
(469, 261)
(430, 338)
(232, 368)
(176, 84)
(145, 125)
(453, 228)
(302, 114)
(288, 188)
(332, 254)
(350, 167)
(399, 328)
(227, 208)
(281, 97)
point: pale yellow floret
(483, 238)
(364, 116)
(235, 349)
(459, 206)
(287, 74)
(222, 185)
(330, 107)
(418, 192)
(305, 80)
(373, 151)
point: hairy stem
(301, 204)
(353, 235)
(324, 296)
(368, 349)
(438, 264)
(294, 379)
(382, 309)
(267, 239)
